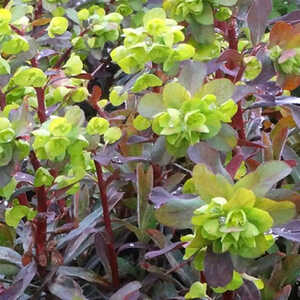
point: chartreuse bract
(237, 218)
(185, 119)
(159, 40)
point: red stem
(110, 245)
(2, 100)
(39, 10)
(232, 34)
(40, 92)
(41, 221)
(228, 295)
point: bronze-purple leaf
(218, 268)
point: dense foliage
(149, 149)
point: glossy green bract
(234, 218)
(156, 41)
(57, 26)
(187, 120)
(30, 77)
(14, 214)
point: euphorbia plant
(149, 149)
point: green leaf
(222, 88)
(4, 67)
(112, 134)
(59, 126)
(227, 2)
(155, 13)
(225, 140)
(15, 46)
(264, 177)
(57, 26)
(174, 95)
(145, 211)
(197, 290)
(280, 211)
(177, 212)
(183, 52)
(209, 185)
(115, 96)
(6, 154)
(263, 243)
(80, 94)
(150, 105)
(234, 284)
(206, 17)
(73, 65)
(43, 177)
(141, 123)
(8, 189)
(145, 81)
(14, 214)
(260, 218)
(240, 199)
(97, 125)
(30, 77)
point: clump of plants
(149, 149)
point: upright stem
(2, 100)
(232, 34)
(40, 92)
(228, 295)
(41, 221)
(110, 245)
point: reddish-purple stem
(40, 92)
(2, 100)
(110, 245)
(41, 221)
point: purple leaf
(130, 291)
(105, 156)
(289, 231)
(268, 70)
(136, 245)
(178, 210)
(192, 75)
(24, 177)
(87, 223)
(82, 273)
(296, 113)
(137, 139)
(101, 250)
(66, 288)
(202, 153)
(45, 53)
(218, 268)
(234, 165)
(249, 291)
(293, 18)
(10, 255)
(22, 281)
(159, 196)
(152, 254)
(257, 19)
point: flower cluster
(158, 41)
(192, 119)
(288, 61)
(10, 148)
(234, 225)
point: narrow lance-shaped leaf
(145, 211)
